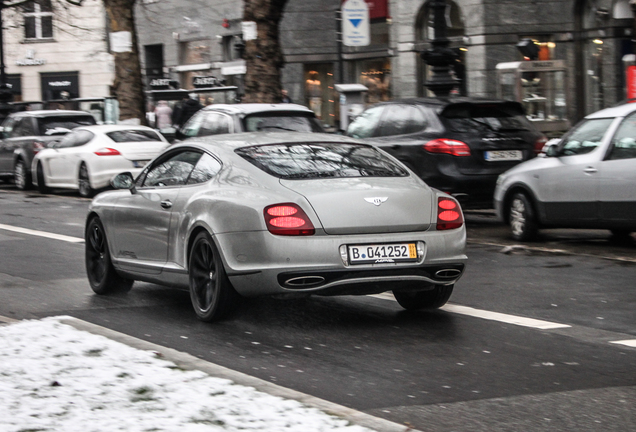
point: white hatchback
(87, 158)
(584, 180)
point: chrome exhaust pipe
(305, 281)
(448, 274)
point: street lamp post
(440, 57)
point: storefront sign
(355, 23)
(30, 60)
(631, 82)
(159, 83)
(205, 81)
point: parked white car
(585, 180)
(87, 158)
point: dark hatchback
(458, 145)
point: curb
(189, 362)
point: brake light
(447, 146)
(37, 146)
(538, 145)
(449, 214)
(106, 151)
(288, 219)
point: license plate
(140, 163)
(382, 253)
(503, 155)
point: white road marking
(42, 234)
(492, 316)
(629, 342)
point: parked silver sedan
(585, 180)
(287, 214)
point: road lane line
(42, 234)
(629, 342)
(492, 316)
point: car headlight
(500, 180)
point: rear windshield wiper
(277, 127)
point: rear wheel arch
(193, 234)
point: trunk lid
(367, 205)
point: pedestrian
(284, 97)
(186, 109)
(163, 115)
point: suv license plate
(382, 253)
(503, 155)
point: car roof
(245, 139)
(114, 127)
(49, 113)
(251, 108)
(617, 111)
(443, 102)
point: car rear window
(133, 135)
(63, 125)
(321, 160)
(498, 117)
(281, 122)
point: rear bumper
(259, 263)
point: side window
(401, 120)
(173, 170)
(22, 128)
(365, 124)
(67, 141)
(206, 169)
(214, 124)
(624, 141)
(7, 127)
(82, 137)
(192, 126)
(586, 137)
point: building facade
(192, 40)
(54, 50)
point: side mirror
(552, 150)
(124, 181)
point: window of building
(320, 95)
(375, 74)
(38, 20)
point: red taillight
(449, 215)
(447, 146)
(288, 219)
(538, 145)
(37, 146)
(106, 151)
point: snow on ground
(56, 378)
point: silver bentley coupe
(276, 213)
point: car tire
(102, 276)
(212, 295)
(429, 299)
(42, 187)
(84, 183)
(521, 218)
(22, 175)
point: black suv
(25, 133)
(458, 145)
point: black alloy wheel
(84, 183)
(523, 222)
(429, 299)
(42, 187)
(212, 295)
(102, 276)
(22, 175)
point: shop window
(320, 95)
(38, 20)
(376, 76)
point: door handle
(590, 170)
(166, 204)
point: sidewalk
(64, 374)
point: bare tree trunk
(263, 55)
(128, 86)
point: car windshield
(133, 135)
(63, 125)
(281, 122)
(321, 160)
(485, 118)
